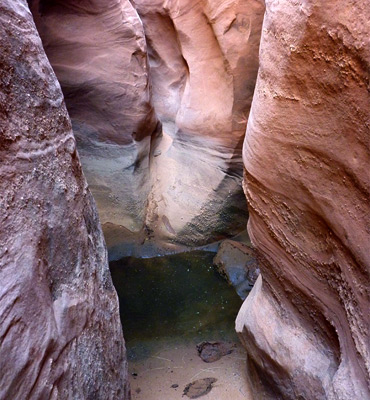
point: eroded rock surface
(305, 323)
(60, 334)
(203, 60)
(99, 54)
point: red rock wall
(60, 333)
(306, 154)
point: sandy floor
(152, 377)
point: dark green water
(175, 298)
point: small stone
(213, 351)
(199, 388)
(175, 385)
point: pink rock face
(60, 333)
(98, 52)
(306, 154)
(203, 60)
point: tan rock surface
(60, 334)
(306, 153)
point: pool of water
(173, 299)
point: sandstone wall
(181, 188)
(203, 60)
(306, 153)
(98, 52)
(60, 333)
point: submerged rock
(199, 388)
(60, 333)
(213, 351)
(237, 263)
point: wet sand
(180, 365)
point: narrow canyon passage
(159, 96)
(184, 199)
(159, 129)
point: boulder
(238, 264)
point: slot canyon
(184, 199)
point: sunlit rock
(203, 60)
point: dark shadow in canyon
(175, 298)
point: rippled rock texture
(60, 333)
(305, 323)
(196, 64)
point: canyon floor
(152, 378)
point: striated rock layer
(60, 333)
(306, 153)
(181, 188)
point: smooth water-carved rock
(60, 333)
(203, 63)
(99, 54)
(305, 323)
